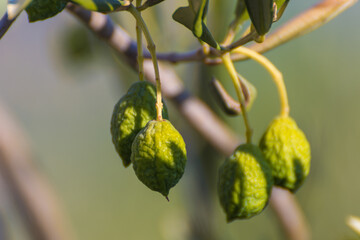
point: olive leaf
(200, 18)
(281, 6)
(241, 13)
(193, 17)
(103, 5)
(14, 7)
(43, 9)
(185, 16)
(227, 103)
(150, 3)
(279, 3)
(261, 14)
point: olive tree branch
(5, 24)
(197, 113)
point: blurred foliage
(77, 46)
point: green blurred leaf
(241, 13)
(261, 14)
(102, 5)
(193, 17)
(77, 45)
(279, 3)
(43, 9)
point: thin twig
(197, 113)
(242, 41)
(152, 49)
(140, 57)
(293, 222)
(229, 65)
(5, 24)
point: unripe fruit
(287, 150)
(131, 114)
(245, 183)
(159, 156)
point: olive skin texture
(159, 156)
(131, 114)
(287, 150)
(245, 183)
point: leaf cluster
(262, 13)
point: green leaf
(281, 6)
(261, 14)
(207, 37)
(279, 3)
(199, 19)
(184, 16)
(153, 2)
(195, 4)
(43, 9)
(102, 5)
(241, 13)
(193, 17)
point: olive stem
(140, 55)
(152, 49)
(252, 35)
(234, 27)
(275, 74)
(226, 58)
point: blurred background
(61, 83)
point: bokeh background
(62, 83)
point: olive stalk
(140, 55)
(275, 74)
(252, 35)
(152, 49)
(226, 58)
(232, 31)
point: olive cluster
(247, 176)
(154, 147)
